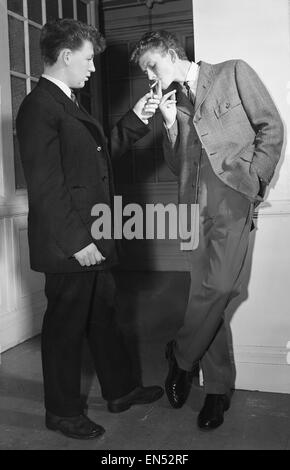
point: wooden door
(141, 175)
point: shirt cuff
(142, 118)
(172, 131)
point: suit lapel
(70, 107)
(204, 83)
(79, 112)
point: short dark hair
(157, 40)
(67, 33)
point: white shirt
(192, 76)
(59, 83)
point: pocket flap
(224, 107)
(248, 153)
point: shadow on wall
(150, 311)
(242, 297)
(276, 176)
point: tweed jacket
(237, 124)
(68, 170)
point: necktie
(74, 99)
(194, 208)
(189, 92)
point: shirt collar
(192, 73)
(58, 83)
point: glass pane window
(16, 43)
(16, 6)
(51, 9)
(82, 11)
(32, 84)
(18, 89)
(35, 10)
(67, 9)
(36, 67)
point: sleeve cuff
(132, 122)
(172, 132)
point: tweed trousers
(215, 269)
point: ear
(65, 56)
(172, 55)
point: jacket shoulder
(230, 65)
(37, 102)
(232, 69)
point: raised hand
(146, 107)
(168, 108)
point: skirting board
(262, 368)
(263, 377)
(21, 325)
(257, 368)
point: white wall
(258, 32)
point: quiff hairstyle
(67, 34)
(161, 40)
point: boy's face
(158, 65)
(80, 65)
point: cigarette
(151, 88)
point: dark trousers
(215, 267)
(79, 305)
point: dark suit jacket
(68, 170)
(236, 122)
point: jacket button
(99, 148)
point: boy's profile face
(158, 65)
(80, 65)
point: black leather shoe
(211, 415)
(178, 381)
(138, 396)
(77, 427)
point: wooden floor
(254, 421)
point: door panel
(141, 175)
(124, 82)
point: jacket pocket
(225, 106)
(247, 153)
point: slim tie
(74, 98)
(194, 208)
(189, 92)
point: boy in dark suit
(68, 170)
